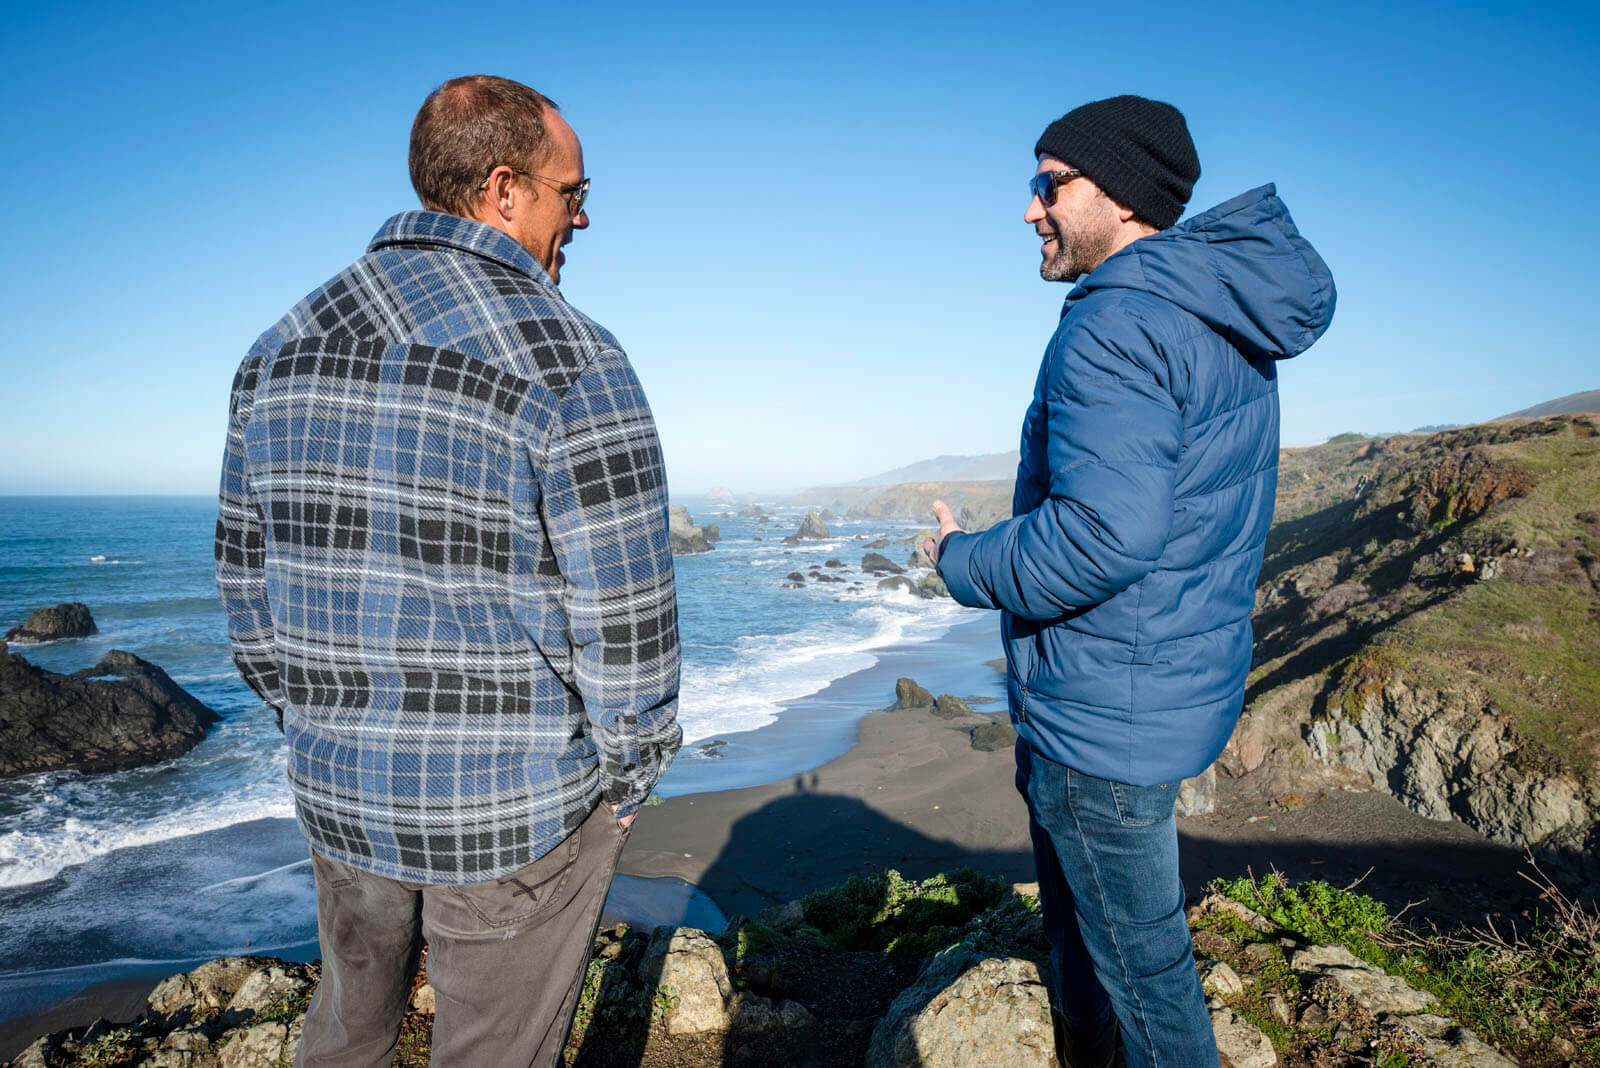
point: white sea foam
(773, 670)
(35, 854)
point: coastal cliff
(1428, 623)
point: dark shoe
(1085, 1047)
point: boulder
(897, 582)
(880, 543)
(686, 538)
(967, 1009)
(907, 694)
(878, 564)
(70, 620)
(1371, 988)
(122, 713)
(993, 737)
(263, 987)
(919, 555)
(796, 577)
(1198, 796)
(753, 511)
(812, 528)
(932, 586)
(711, 532)
(834, 563)
(688, 967)
(1241, 1041)
(213, 985)
(264, 1045)
(949, 706)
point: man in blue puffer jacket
(1127, 573)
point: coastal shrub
(886, 911)
(1315, 910)
(1523, 989)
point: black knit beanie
(1137, 151)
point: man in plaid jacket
(442, 550)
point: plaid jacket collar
(434, 228)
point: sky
(806, 220)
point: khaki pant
(506, 958)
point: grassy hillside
(1468, 558)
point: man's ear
(497, 200)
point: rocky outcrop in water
(70, 620)
(878, 564)
(687, 538)
(812, 528)
(122, 713)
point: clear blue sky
(806, 218)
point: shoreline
(905, 790)
(812, 731)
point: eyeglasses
(1044, 183)
(576, 193)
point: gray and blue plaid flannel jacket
(442, 551)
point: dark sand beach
(905, 789)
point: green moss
(1363, 676)
(888, 912)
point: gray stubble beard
(1082, 248)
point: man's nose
(580, 221)
(1034, 213)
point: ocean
(143, 871)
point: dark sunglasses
(576, 193)
(1043, 185)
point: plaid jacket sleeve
(241, 552)
(603, 497)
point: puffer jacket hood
(1241, 268)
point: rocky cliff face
(121, 713)
(1448, 754)
(1428, 624)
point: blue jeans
(1107, 857)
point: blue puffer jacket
(1149, 464)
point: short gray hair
(466, 128)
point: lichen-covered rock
(263, 1045)
(1450, 1046)
(1241, 1041)
(932, 586)
(907, 694)
(213, 985)
(1197, 796)
(1371, 988)
(69, 620)
(949, 706)
(688, 967)
(919, 552)
(755, 1014)
(265, 987)
(188, 1047)
(1218, 978)
(966, 1009)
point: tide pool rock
(878, 564)
(70, 620)
(993, 737)
(122, 713)
(907, 694)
